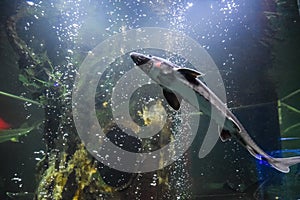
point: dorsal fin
(189, 74)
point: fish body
(178, 82)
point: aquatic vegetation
(47, 67)
(20, 195)
(81, 169)
(156, 114)
(289, 116)
(290, 108)
(14, 134)
(167, 179)
(20, 98)
(285, 36)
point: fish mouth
(139, 59)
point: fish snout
(139, 59)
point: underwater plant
(48, 60)
(14, 134)
(47, 66)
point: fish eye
(150, 56)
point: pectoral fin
(172, 99)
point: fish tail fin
(283, 164)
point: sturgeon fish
(176, 81)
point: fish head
(153, 66)
(140, 59)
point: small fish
(176, 80)
(3, 124)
